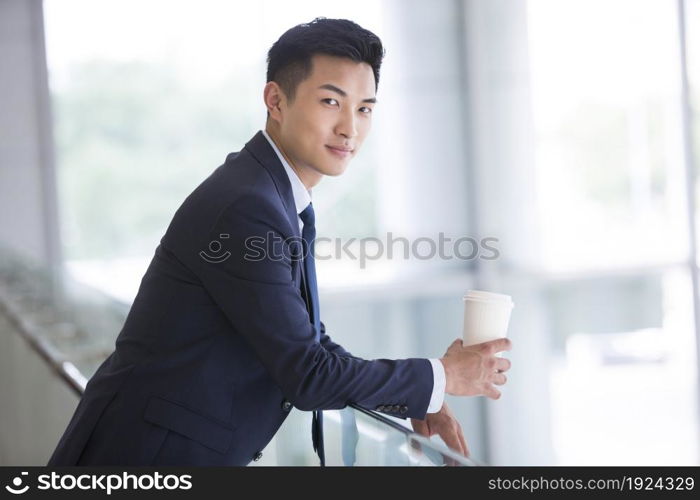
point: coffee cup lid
(487, 296)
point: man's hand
(446, 426)
(474, 370)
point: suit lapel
(261, 150)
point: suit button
(286, 405)
(257, 456)
(403, 409)
(395, 408)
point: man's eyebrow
(342, 93)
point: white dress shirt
(302, 198)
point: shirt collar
(302, 196)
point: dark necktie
(308, 234)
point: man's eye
(330, 101)
(365, 109)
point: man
(224, 337)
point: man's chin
(338, 171)
(335, 170)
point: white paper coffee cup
(486, 316)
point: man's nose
(347, 126)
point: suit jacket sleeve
(331, 346)
(254, 287)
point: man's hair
(289, 58)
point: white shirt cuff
(439, 382)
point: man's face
(322, 129)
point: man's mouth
(341, 151)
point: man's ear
(273, 97)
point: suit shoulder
(239, 188)
(239, 176)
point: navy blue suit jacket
(218, 347)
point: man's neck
(309, 179)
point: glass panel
(692, 42)
(354, 438)
(623, 368)
(76, 323)
(616, 295)
(606, 105)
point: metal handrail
(66, 370)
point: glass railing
(359, 437)
(355, 436)
(72, 329)
(76, 324)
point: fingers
(492, 392)
(452, 440)
(457, 344)
(498, 345)
(421, 427)
(465, 448)
(499, 379)
(502, 364)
